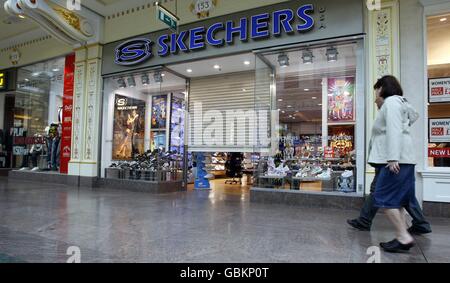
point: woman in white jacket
(392, 153)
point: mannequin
(53, 142)
(35, 151)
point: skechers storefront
(271, 100)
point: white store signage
(439, 90)
(440, 130)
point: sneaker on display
(209, 176)
(347, 174)
(325, 175)
(35, 169)
(24, 169)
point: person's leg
(25, 161)
(34, 157)
(397, 217)
(368, 211)
(419, 223)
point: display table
(271, 181)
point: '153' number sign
(202, 8)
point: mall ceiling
(11, 26)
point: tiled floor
(38, 222)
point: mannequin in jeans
(364, 222)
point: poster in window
(439, 90)
(159, 111)
(341, 99)
(129, 127)
(177, 125)
(440, 130)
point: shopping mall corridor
(39, 222)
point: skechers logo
(133, 51)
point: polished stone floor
(39, 222)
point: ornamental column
(86, 112)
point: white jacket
(391, 138)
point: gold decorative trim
(25, 44)
(136, 9)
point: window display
(438, 92)
(136, 143)
(40, 116)
(316, 101)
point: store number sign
(202, 8)
(439, 90)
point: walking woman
(392, 154)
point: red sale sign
(66, 138)
(439, 152)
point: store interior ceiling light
(121, 83)
(131, 82)
(306, 89)
(247, 63)
(158, 77)
(217, 67)
(283, 60)
(189, 70)
(332, 54)
(307, 57)
(145, 79)
(443, 19)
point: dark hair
(389, 86)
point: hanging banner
(439, 90)
(66, 136)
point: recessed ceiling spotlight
(36, 74)
(314, 97)
(189, 70)
(158, 77)
(55, 70)
(244, 90)
(307, 56)
(131, 81)
(121, 83)
(283, 60)
(283, 112)
(320, 104)
(217, 67)
(289, 106)
(145, 79)
(163, 75)
(280, 100)
(443, 19)
(332, 54)
(247, 63)
(306, 89)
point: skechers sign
(257, 27)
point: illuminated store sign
(257, 27)
(2, 80)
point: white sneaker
(347, 174)
(325, 175)
(24, 169)
(209, 176)
(35, 169)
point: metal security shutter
(230, 113)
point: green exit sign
(167, 17)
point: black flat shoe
(417, 231)
(357, 225)
(395, 246)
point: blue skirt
(395, 190)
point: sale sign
(439, 90)
(66, 137)
(440, 130)
(439, 152)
